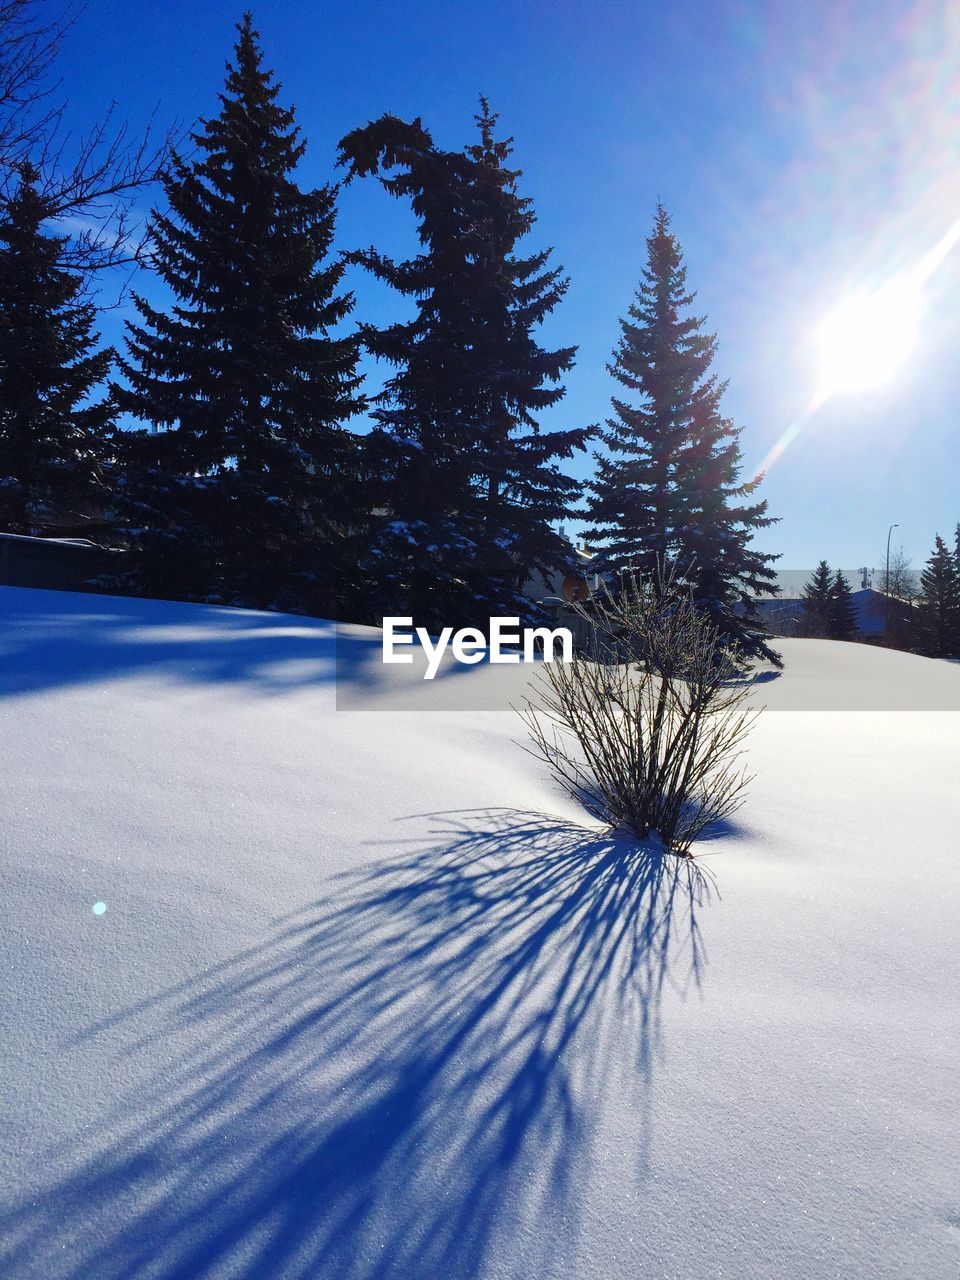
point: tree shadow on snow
(50, 640)
(404, 1080)
(755, 677)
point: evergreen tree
(243, 492)
(472, 486)
(53, 428)
(843, 619)
(817, 601)
(668, 497)
(940, 608)
(956, 549)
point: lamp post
(886, 588)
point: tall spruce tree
(53, 426)
(473, 486)
(668, 495)
(940, 603)
(243, 492)
(843, 619)
(816, 597)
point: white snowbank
(370, 999)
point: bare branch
(90, 184)
(28, 50)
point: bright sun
(865, 340)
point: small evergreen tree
(843, 619)
(817, 601)
(668, 498)
(53, 427)
(472, 486)
(940, 608)
(244, 493)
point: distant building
(784, 616)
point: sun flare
(866, 339)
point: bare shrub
(647, 726)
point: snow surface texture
(370, 999)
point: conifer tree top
(668, 494)
(247, 351)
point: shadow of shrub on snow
(403, 1080)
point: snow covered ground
(370, 999)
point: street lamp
(886, 588)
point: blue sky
(803, 151)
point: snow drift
(369, 998)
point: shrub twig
(647, 726)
